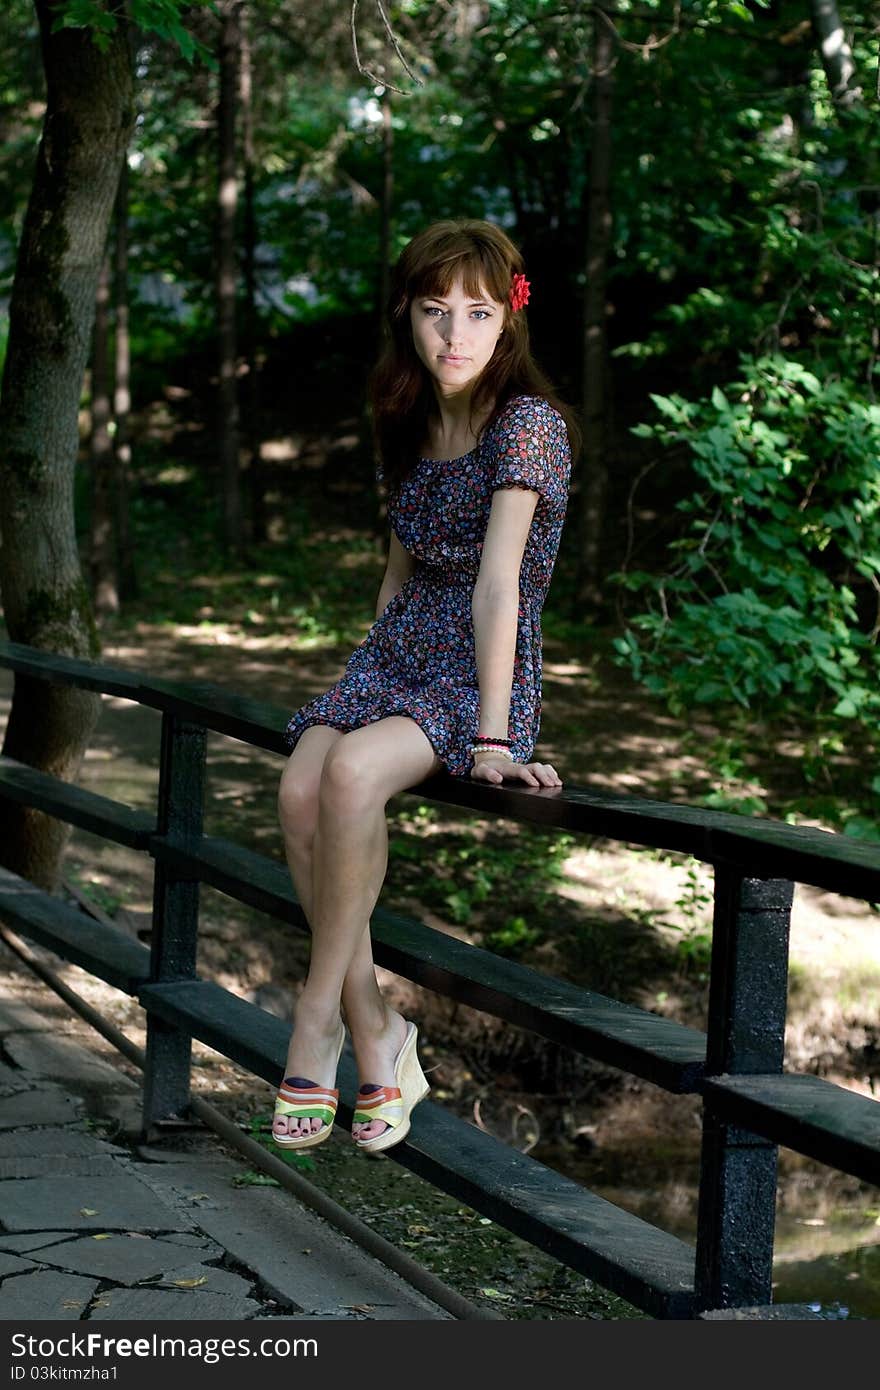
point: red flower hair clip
(519, 293)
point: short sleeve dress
(418, 658)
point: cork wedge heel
(393, 1104)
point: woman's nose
(453, 329)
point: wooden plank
(104, 951)
(112, 820)
(769, 849)
(646, 1044)
(240, 873)
(760, 848)
(647, 1266)
(805, 1113)
(642, 1263)
(68, 670)
(254, 721)
(241, 1031)
(757, 846)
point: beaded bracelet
(496, 749)
(495, 742)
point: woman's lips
(448, 357)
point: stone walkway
(92, 1230)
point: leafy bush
(773, 600)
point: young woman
(475, 454)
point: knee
(348, 783)
(297, 806)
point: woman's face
(455, 335)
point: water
(848, 1282)
(827, 1237)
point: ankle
(373, 1024)
(317, 1018)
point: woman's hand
(489, 767)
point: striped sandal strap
(384, 1103)
(303, 1101)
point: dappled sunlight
(175, 473)
(110, 875)
(282, 450)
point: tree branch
(395, 43)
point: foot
(312, 1059)
(375, 1054)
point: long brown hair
(401, 395)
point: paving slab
(53, 1139)
(14, 1264)
(45, 1295)
(39, 1107)
(122, 1258)
(198, 1244)
(164, 1305)
(51, 1055)
(151, 1154)
(17, 1016)
(33, 1240)
(296, 1255)
(95, 1204)
(12, 1080)
(210, 1279)
(37, 1167)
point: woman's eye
(432, 309)
(481, 314)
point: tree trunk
(89, 114)
(837, 58)
(125, 566)
(102, 548)
(227, 277)
(594, 466)
(257, 482)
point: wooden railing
(750, 1105)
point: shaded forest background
(200, 204)
(695, 189)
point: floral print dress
(418, 658)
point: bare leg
(355, 774)
(298, 796)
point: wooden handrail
(763, 846)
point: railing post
(175, 914)
(745, 1035)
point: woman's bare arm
(495, 608)
(495, 604)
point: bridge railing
(750, 1104)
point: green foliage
(768, 605)
(692, 926)
(260, 1130)
(742, 253)
(252, 1179)
(164, 18)
(502, 881)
